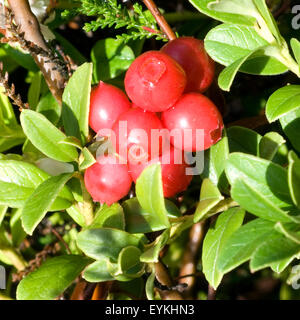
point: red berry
(193, 111)
(174, 177)
(107, 103)
(191, 55)
(155, 81)
(107, 181)
(135, 138)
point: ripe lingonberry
(155, 81)
(107, 181)
(191, 112)
(191, 55)
(107, 103)
(173, 170)
(134, 132)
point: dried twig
(40, 257)
(9, 90)
(162, 22)
(29, 30)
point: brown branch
(29, 25)
(78, 292)
(189, 265)
(163, 278)
(102, 290)
(10, 91)
(162, 22)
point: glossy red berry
(134, 133)
(107, 103)
(191, 55)
(155, 81)
(107, 181)
(191, 112)
(174, 177)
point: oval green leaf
(46, 137)
(149, 192)
(52, 278)
(41, 200)
(110, 58)
(259, 186)
(76, 103)
(283, 101)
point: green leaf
(76, 103)
(50, 108)
(215, 240)
(269, 19)
(41, 200)
(149, 192)
(105, 243)
(7, 115)
(228, 43)
(52, 278)
(210, 196)
(72, 141)
(259, 186)
(294, 178)
(288, 231)
(97, 272)
(110, 58)
(129, 262)
(18, 180)
(109, 217)
(280, 265)
(76, 215)
(295, 44)
(3, 210)
(274, 249)
(34, 90)
(139, 220)
(243, 140)
(243, 242)
(88, 159)
(270, 144)
(149, 288)
(283, 101)
(11, 134)
(23, 59)
(214, 163)
(46, 137)
(228, 74)
(231, 15)
(153, 249)
(17, 231)
(290, 124)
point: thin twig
(29, 25)
(189, 265)
(60, 238)
(284, 6)
(10, 91)
(162, 22)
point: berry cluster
(165, 88)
